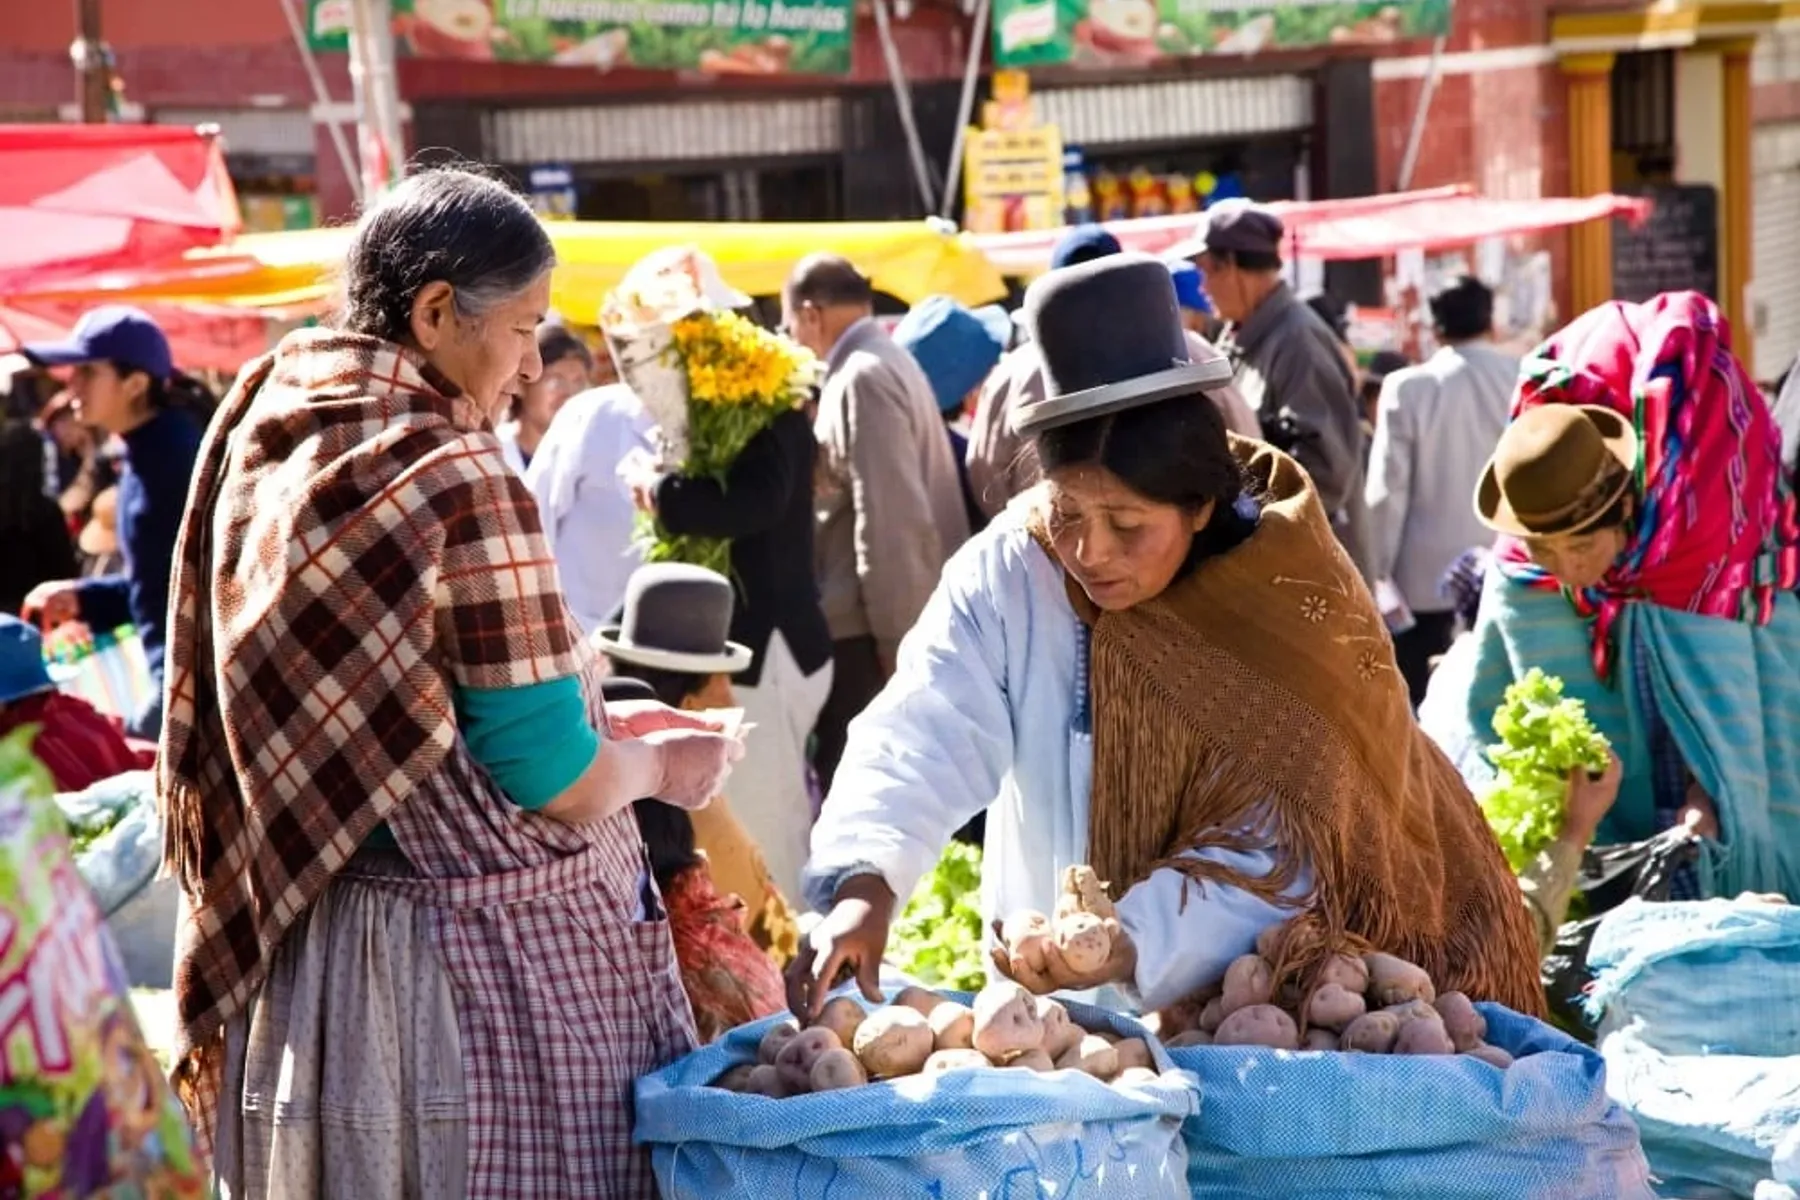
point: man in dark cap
(1000, 462)
(1290, 368)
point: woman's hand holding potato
(1078, 959)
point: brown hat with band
(1559, 468)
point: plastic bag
(121, 862)
(84, 1109)
(107, 669)
(1279, 1124)
(962, 1134)
(1610, 875)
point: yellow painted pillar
(1737, 203)
(1589, 81)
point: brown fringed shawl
(1265, 682)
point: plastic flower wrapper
(1544, 736)
(84, 1108)
(710, 379)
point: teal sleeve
(534, 740)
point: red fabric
(77, 199)
(730, 980)
(1716, 530)
(216, 338)
(79, 744)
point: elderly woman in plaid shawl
(422, 954)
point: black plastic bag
(1610, 875)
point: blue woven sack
(1283, 1124)
(1700, 977)
(986, 1134)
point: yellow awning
(907, 259)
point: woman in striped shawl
(1648, 559)
(422, 955)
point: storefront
(750, 159)
(1161, 146)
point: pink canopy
(78, 199)
(1364, 227)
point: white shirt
(587, 509)
(510, 450)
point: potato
(1465, 1025)
(954, 1060)
(1094, 1055)
(1420, 1036)
(1349, 973)
(1134, 1052)
(735, 1079)
(893, 1041)
(1320, 1039)
(1259, 1025)
(1084, 942)
(1268, 942)
(1248, 982)
(1060, 1032)
(795, 1062)
(1371, 1033)
(772, 1041)
(842, 1016)
(1135, 1077)
(1334, 1006)
(1006, 1021)
(1193, 1037)
(952, 1026)
(1031, 1060)
(1413, 1010)
(1213, 1015)
(1085, 888)
(1494, 1056)
(765, 1080)
(837, 1069)
(1394, 981)
(1026, 934)
(923, 1001)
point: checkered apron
(566, 983)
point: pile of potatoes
(1369, 1004)
(922, 1033)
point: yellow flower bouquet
(710, 379)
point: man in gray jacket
(1290, 368)
(1436, 426)
(888, 497)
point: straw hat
(100, 536)
(1558, 469)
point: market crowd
(1059, 582)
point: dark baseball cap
(114, 333)
(1084, 243)
(1233, 227)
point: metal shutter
(690, 131)
(1776, 247)
(1177, 110)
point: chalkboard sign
(1676, 250)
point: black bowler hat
(676, 618)
(1111, 338)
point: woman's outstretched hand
(852, 937)
(1054, 974)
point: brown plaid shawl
(354, 547)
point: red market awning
(202, 338)
(78, 199)
(1363, 227)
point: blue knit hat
(22, 670)
(1189, 292)
(1084, 243)
(955, 347)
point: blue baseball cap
(1084, 243)
(22, 669)
(956, 347)
(115, 333)
(1189, 292)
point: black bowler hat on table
(676, 619)
(1111, 338)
